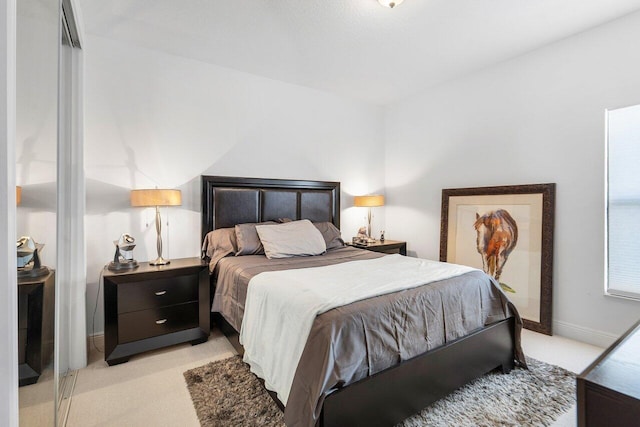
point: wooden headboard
(227, 201)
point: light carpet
(225, 393)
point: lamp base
(159, 261)
(31, 272)
(129, 264)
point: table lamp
(369, 202)
(157, 197)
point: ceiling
(355, 48)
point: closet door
(71, 274)
(37, 43)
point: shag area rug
(225, 393)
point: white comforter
(281, 306)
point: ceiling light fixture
(390, 3)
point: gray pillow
(330, 234)
(247, 237)
(296, 238)
(218, 244)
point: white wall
(535, 119)
(154, 119)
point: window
(623, 202)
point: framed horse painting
(506, 231)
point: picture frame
(506, 231)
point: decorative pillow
(218, 244)
(331, 234)
(296, 238)
(248, 240)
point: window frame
(608, 290)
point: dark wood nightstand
(155, 306)
(35, 326)
(386, 247)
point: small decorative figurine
(123, 258)
(382, 235)
(28, 258)
(361, 238)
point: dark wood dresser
(35, 326)
(609, 389)
(155, 306)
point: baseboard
(95, 342)
(586, 335)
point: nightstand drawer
(143, 324)
(387, 250)
(146, 294)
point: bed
(388, 394)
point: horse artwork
(507, 231)
(497, 236)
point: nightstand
(386, 247)
(609, 389)
(155, 306)
(35, 326)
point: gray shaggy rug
(225, 393)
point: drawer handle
(161, 321)
(160, 293)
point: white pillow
(296, 238)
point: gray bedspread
(233, 275)
(349, 343)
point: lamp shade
(369, 201)
(156, 197)
(18, 195)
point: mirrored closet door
(71, 265)
(48, 222)
(37, 41)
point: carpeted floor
(225, 393)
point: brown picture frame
(535, 208)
